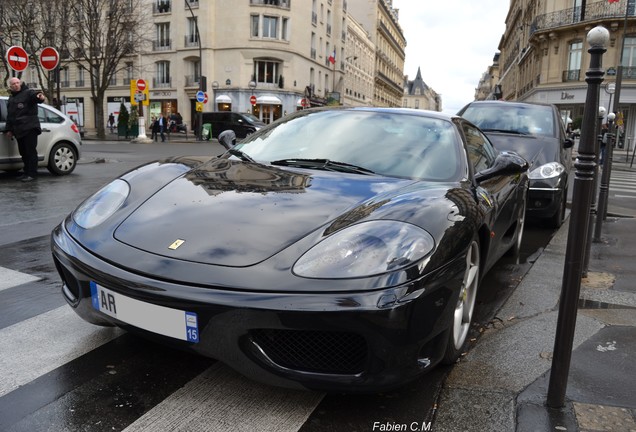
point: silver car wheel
(463, 314)
(62, 159)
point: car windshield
(525, 120)
(366, 142)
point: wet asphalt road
(79, 393)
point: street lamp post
(201, 78)
(252, 86)
(597, 39)
(593, 207)
(605, 178)
(215, 86)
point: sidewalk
(501, 384)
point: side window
(3, 110)
(480, 151)
(47, 116)
(42, 115)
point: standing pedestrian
(163, 123)
(111, 122)
(23, 124)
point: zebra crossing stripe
(40, 344)
(220, 399)
(10, 278)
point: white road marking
(220, 399)
(34, 347)
(10, 278)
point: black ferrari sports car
(334, 250)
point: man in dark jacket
(23, 124)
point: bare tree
(98, 36)
(101, 36)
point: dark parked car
(336, 249)
(242, 124)
(537, 133)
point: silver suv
(58, 145)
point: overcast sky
(452, 42)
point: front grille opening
(70, 282)
(313, 351)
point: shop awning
(268, 100)
(223, 99)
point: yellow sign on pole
(139, 92)
(199, 106)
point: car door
(498, 195)
(9, 153)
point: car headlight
(102, 204)
(366, 249)
(549, 170)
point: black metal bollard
(584, 165)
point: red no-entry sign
(17, 58)
(253, 100)
(141, 85)
(49, 58)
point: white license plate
(165, 321)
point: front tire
(515, 249)
(463, 313)
(556, 220)
(62, 159)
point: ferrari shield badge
(175, 245)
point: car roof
(403, 111)
(509, 103)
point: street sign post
(200, 96)
(49, 58)
(253, 100)
(141, 85)
(17, 58)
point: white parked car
(58, 145)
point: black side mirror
(568, 143)
(507, 163)
(227, 138)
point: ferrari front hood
(238, 214)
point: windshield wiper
(514, 132)
(323, 164)
(240, 154)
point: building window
(285, 29)
(629, 54)
(129, 71)
(266, 71)
(574, 56)
(163, 36)
(270, 27)
(254, 25)
(162, 74)
(192, 37)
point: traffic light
(204, 83)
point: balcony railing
(191, 81)
(571, 75)
(190, 41)
(162, 45)
(280, 3)
(162, 83)
(162, 6)
(593, 11)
